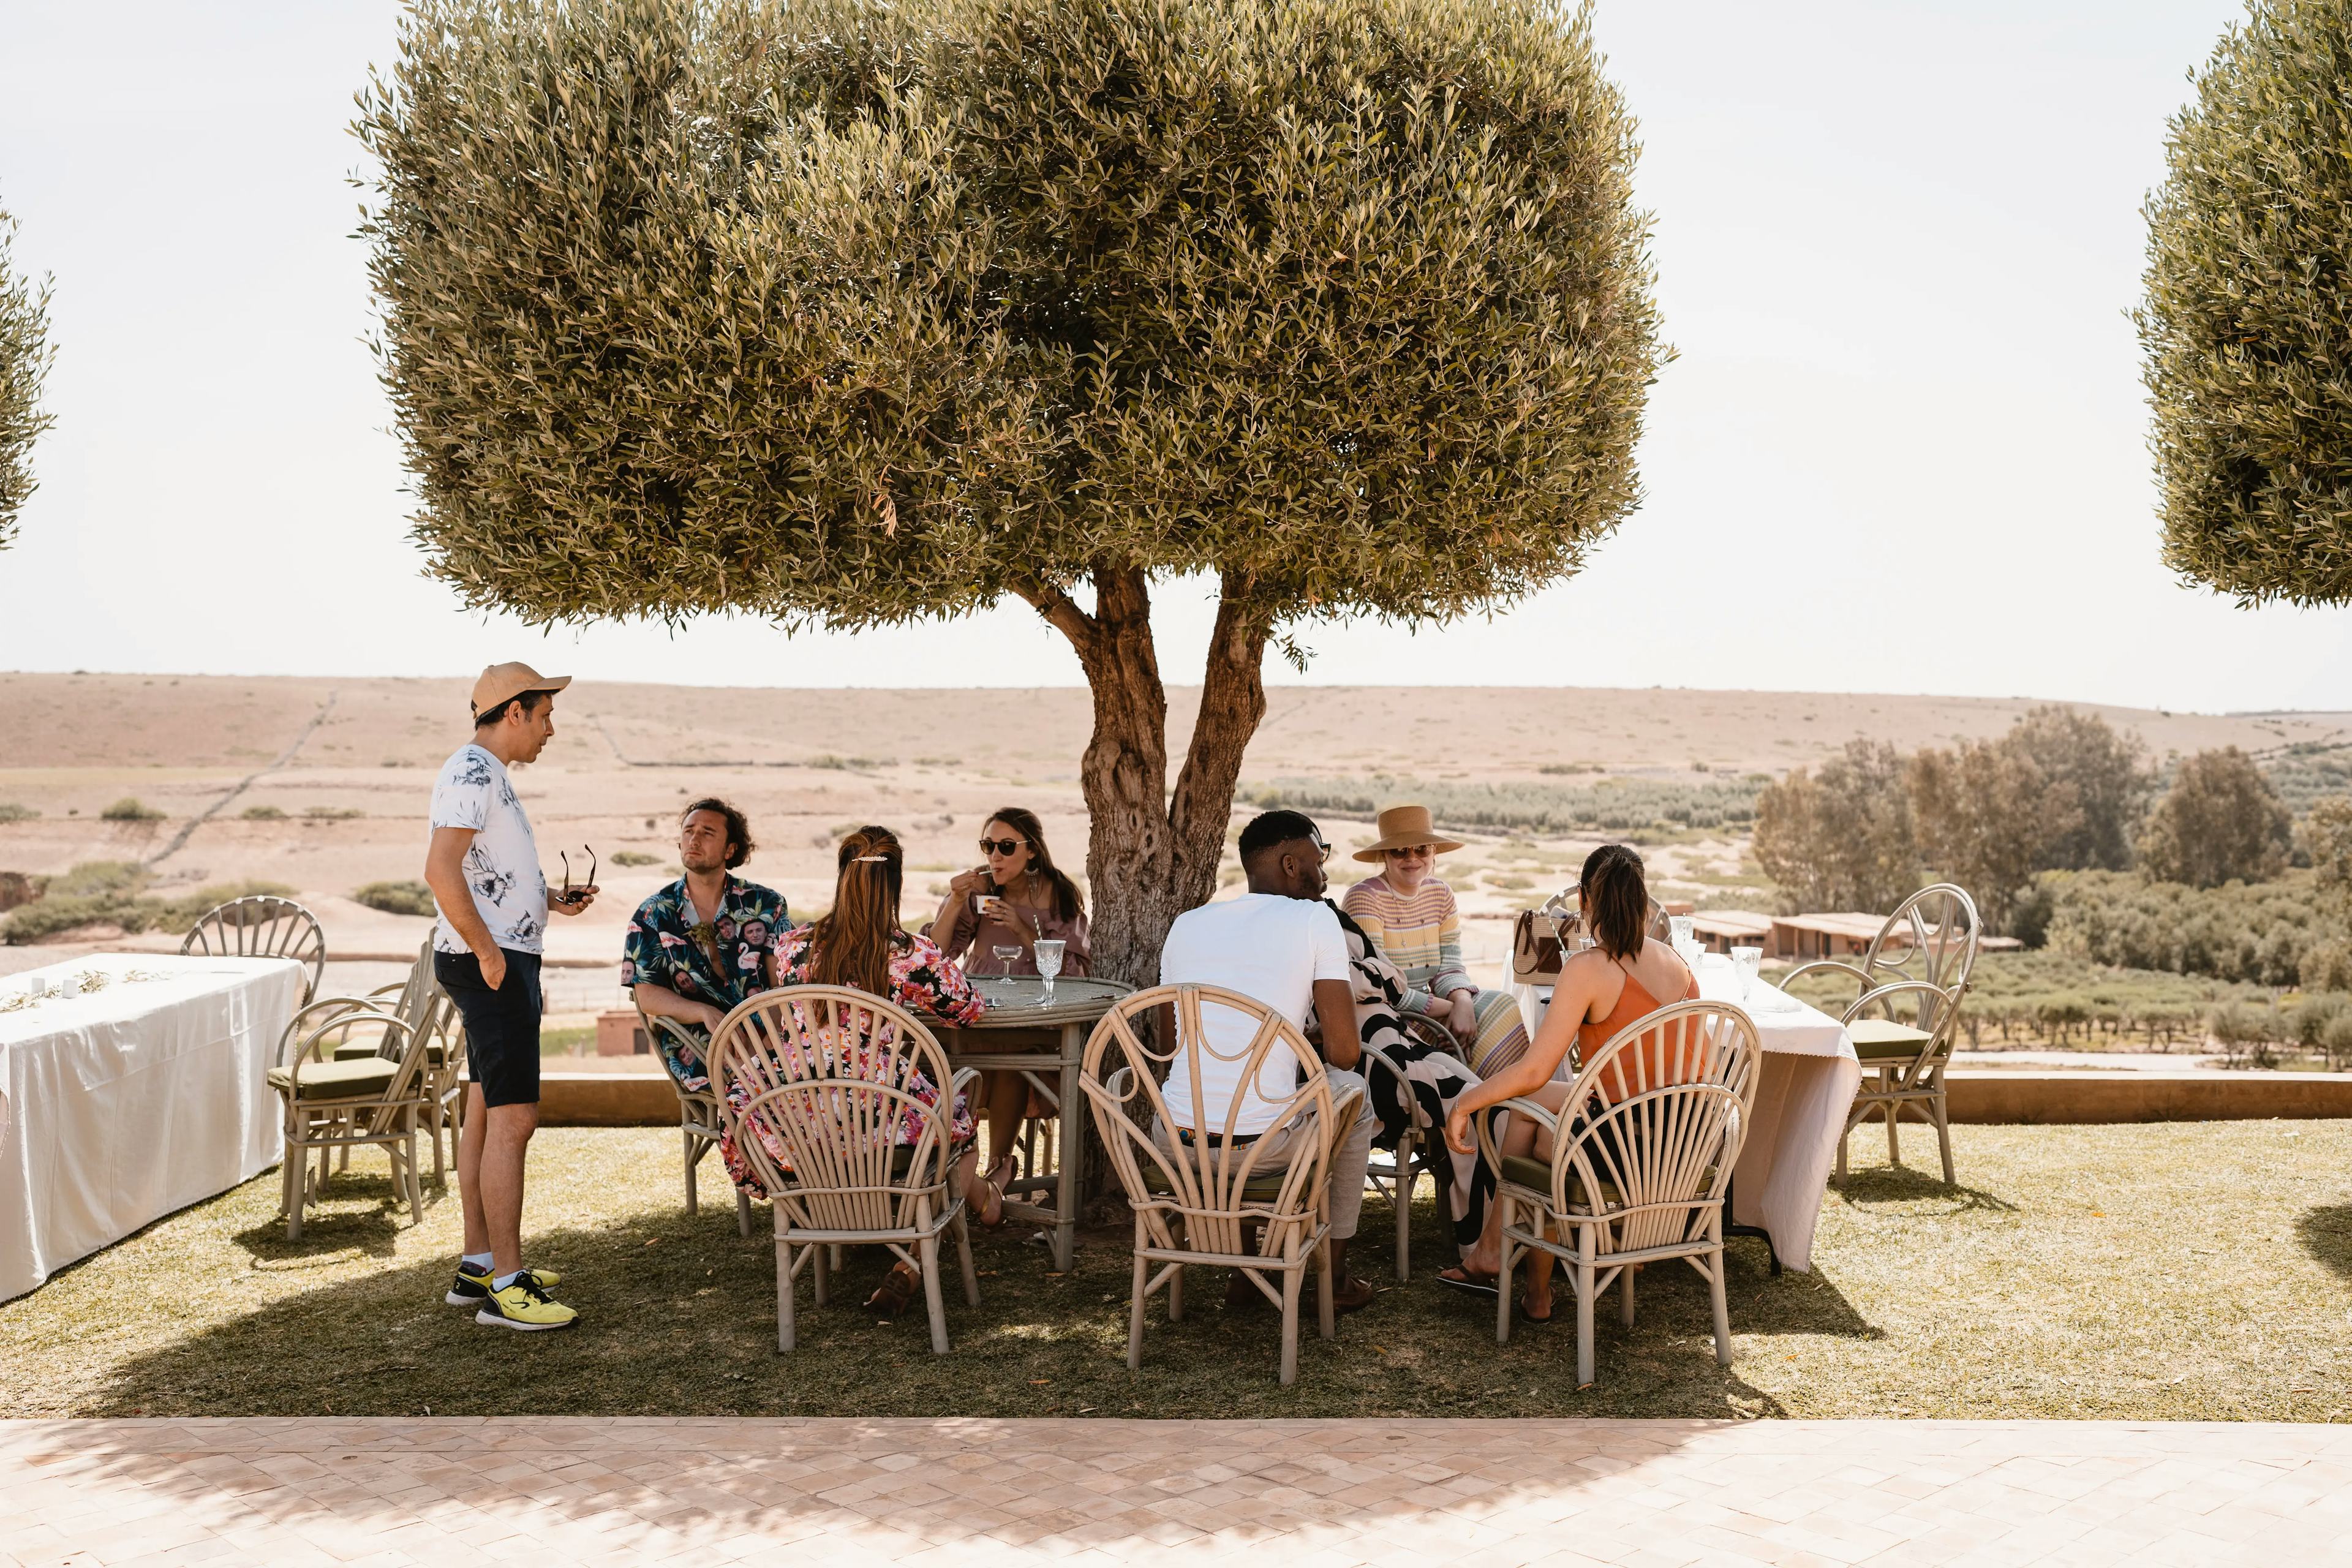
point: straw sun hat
(1403, 826)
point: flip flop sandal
(1529, 1318)
(1461, 1279)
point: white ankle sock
(503, 1280)
(479, 1259)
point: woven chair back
(1205, 1184)
(1677, 1088)
(261, 927)
(829, 1095)
(1932, 936)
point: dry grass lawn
(2146, 1272)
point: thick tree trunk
(1149, 858)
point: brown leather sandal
(897, 1291)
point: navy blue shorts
(501, 1025)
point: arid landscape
(320, 784)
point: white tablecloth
(130, 1102)
(1804, 1091)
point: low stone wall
(2094, 1095)
(629, 1100)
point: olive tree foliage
(25, 355)
(846, 315)
(2219, 822)
(2247, 324)
(1840, 838)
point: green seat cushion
(1263, 1189)
(1884, 1039)
(1527, 1172)
(358, 1050)
(351, 1078)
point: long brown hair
(1616, 900)
(1067, 903)
(854, 939)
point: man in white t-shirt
(1280, 945)
(483, 867)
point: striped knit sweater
(1420, 935)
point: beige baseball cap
(501, 682)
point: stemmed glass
(1746, 961)
(1049, 964)
(1004, 957)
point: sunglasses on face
(999, 845)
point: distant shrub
(109, 892)
(397, 898)
(2335, 1039)
(263, 814)
(179, 914)
(99, 877)
(331, 814)
(129, 809)
(12, 812)
(2262, 931)
(1629, 806)
(639, 857)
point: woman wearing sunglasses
(997, 912)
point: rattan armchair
(333, 1101)
(1198, 1200)
(1642, 1179)
(1920, 962)
(263, 927)
(698, 1112)
(815, 1089)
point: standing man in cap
(483, 867)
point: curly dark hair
(739, 830)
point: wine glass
(1004, 957)
(1747, 961)
(1049, 964)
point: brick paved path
(1499, 1494)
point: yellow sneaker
(524, 1305)
(473, 1285)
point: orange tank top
(1634, 1003)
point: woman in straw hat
(1411, 916)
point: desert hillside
(320, 784)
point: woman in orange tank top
(1615, 983)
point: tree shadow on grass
(678, 1318)
(2326, 1233)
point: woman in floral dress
(861, 945)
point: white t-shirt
(1272, 950)
(503, 864)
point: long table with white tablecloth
(1804, 1091)
(140, 1090)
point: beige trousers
(1351, 1149)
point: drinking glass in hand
(1049, 964)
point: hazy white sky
(1903, 448)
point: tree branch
(1062, 612)
(1232, 701)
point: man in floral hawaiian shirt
(700, 945)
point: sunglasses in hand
(571, 895)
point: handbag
(1535, 955)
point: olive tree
(2247, 324)
(845, 315)
(25, 358)
(2219, 822)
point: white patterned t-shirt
(502, 863)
